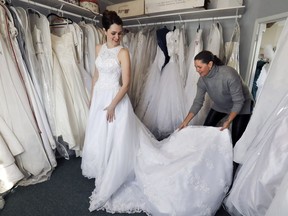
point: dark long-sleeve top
(226, 89)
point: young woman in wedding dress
(187, 173)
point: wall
(255, 9)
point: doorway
(266, 34)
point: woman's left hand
(225, 125)
(110, 115)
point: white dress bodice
(108, 67)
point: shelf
(185, 16)
(58, 6)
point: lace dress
(188, 173)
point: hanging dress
(151, 86)
(262, 149)
(169, 105)
(63, 47)
(215, 40)
(232, 49)
(191, 83)
(36, 161)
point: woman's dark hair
(206, 56)
(109, 18)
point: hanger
(174, 27)
(61, 18)
(83, 19)
(7, 2)
(199, 26)
(33, 11)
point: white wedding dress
(187, 173)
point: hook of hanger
(236, 17)
(60, 11)
(180, 17)
(199, 26)
(94, 19)
(139, 22)
(61, 7)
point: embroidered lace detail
(198, 183)
(108, 67)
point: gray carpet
(65, 194)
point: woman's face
(202, 68)
(113, 35)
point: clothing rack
(185, 16)
(60, 10)
(183, 21)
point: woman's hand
(110, 115)
(186, 121)
(225, 125)
(182, 125)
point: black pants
(239, 124)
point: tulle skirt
(187, 173)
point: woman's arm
(186, 121)
(124, 60)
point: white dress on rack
(215, 40)
(232, 49)
(169, 106)
(144, 110)
(63, 47)
(262, 150)
(191, 83)
(185, 174)
(37, 160)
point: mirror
(266, 34)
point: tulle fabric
(185, 174)
(167, 110)
(169, 106)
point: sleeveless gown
(187, 173)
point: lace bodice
(172, 39)
(108, 67)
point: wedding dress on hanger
(151, 87)
(232, 49)
(191, 83)
(19, 109)
(169, 105)
(262, 151)
(63, 47)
